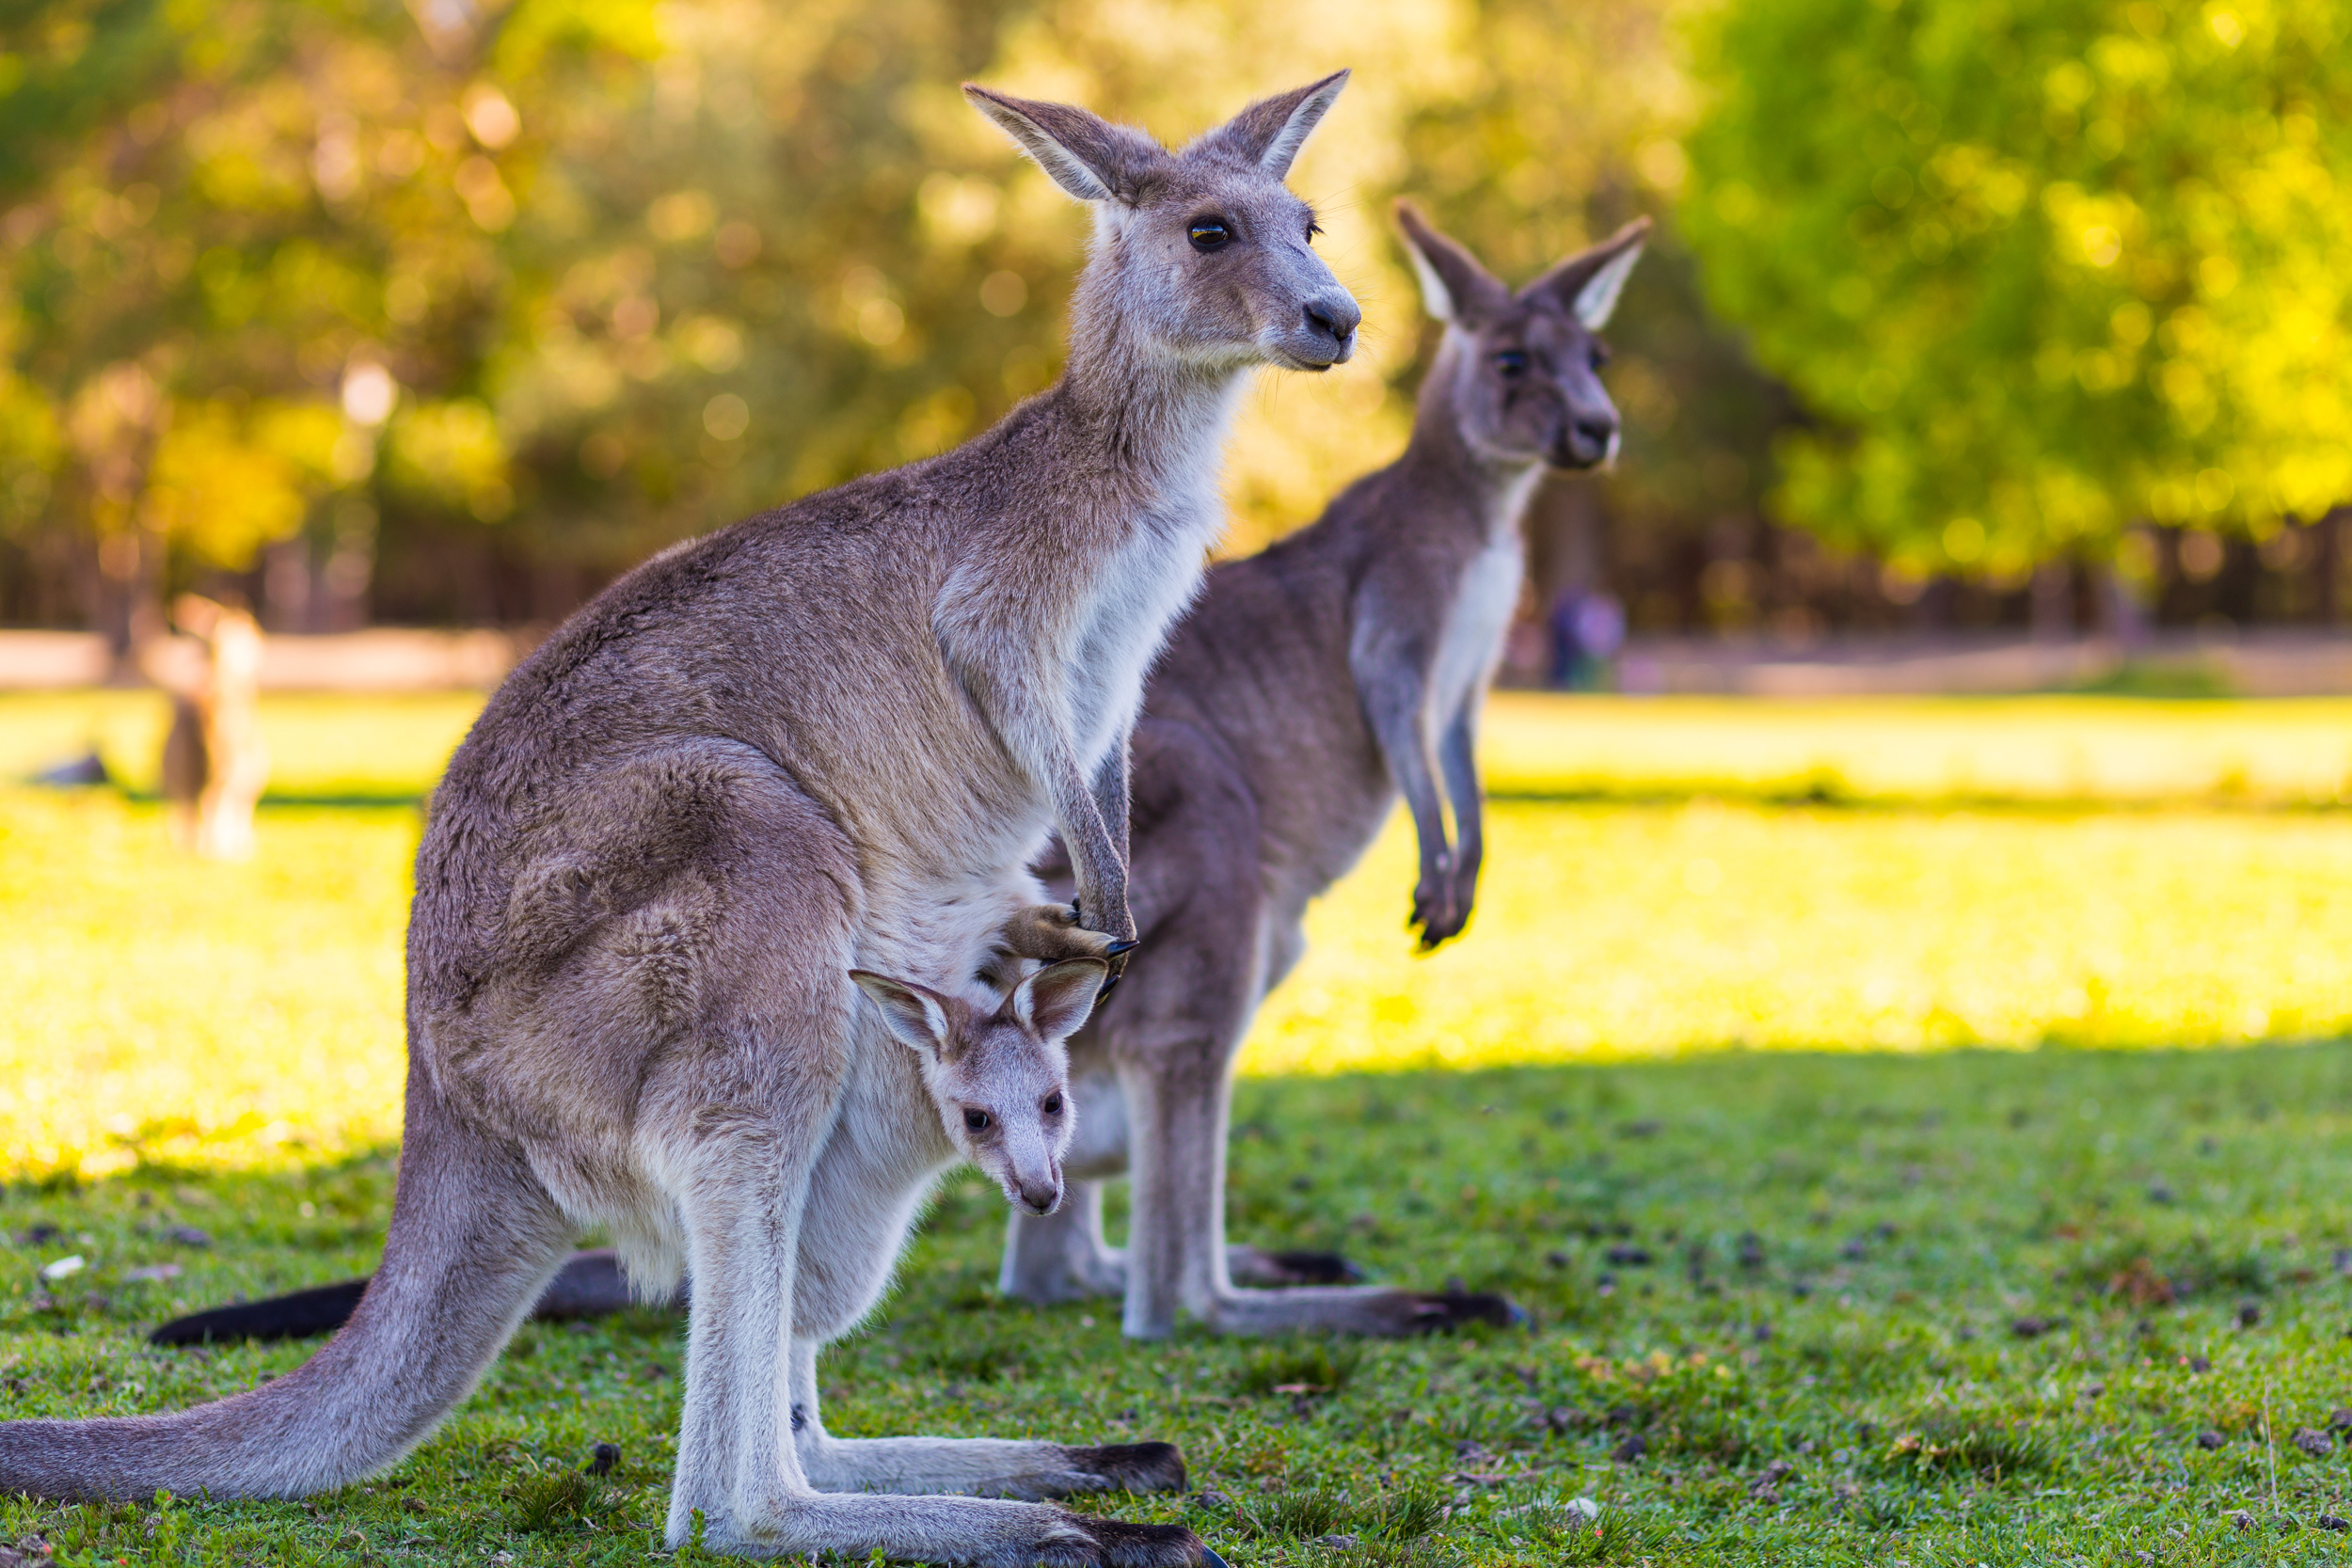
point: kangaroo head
(1001, 1082)
(1202, 256)
(1521, 372)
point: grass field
(218, 1048)
(1782, 1313)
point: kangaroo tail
(589, 1285)
(296, 1315)
(475, 1238)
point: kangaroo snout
(1591, 440)
(1041, 1198)
(1331, 320)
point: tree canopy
(2040, 271)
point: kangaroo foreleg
(980, 1466)
(1458, 754)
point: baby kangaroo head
(1203, 254)
(1522, 371)
(1001, 1081)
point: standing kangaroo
(828, 739)
(215, 763)
(1314, 682)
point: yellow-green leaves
(2046, 274)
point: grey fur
(1314, 682)
(829, 737)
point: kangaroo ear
(1588, 282)
(1086, 156)
(1057, 998)
(1270, 132)
(1453, 286)
(920, 1017)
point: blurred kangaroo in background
(215, 764)
(1313, 684)
(831, 737)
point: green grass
(1807, 1349)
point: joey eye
(1512, 362)
(1209, 233)
(1053, 1106)
(1599, 356)
(976, 1120)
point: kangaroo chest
(1484, 600)
(1145, 586)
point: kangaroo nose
(1335, 316)
(1041, 1198)
(1590, 439)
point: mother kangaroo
(825, 738)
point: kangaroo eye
(976, 1120)
(1312, 230)
(1053, 1105)
(1209, 233)
(1599, 356)
(1512, 362)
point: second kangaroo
(1316, 681)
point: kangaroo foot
(1370, 1310)
(971, 1531)
(1429, 1312)
(1130, 1467)
(1272, 1271)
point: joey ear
(1453, 286)
(1270, 132)
(1056, 999)
(1086, 155)
(1588, 282)
(919, 1016)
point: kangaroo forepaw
(1051, 932)
(1131, 1466)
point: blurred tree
(2044, 272)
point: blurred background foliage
(447, 311)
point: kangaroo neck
(1492, 490)
(1156, 423)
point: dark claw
(1433, 1310)
(1209, 1558)
(1116, 948)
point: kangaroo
(827, 738)
(1314, 682)
(215, 764)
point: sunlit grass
(215, 1014)
(2030, 748)
(208, 1013)
(1631, 930)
